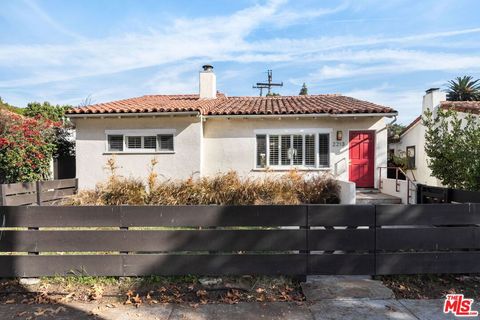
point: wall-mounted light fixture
(339, 135)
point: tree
(463, 89)
(56, 113)
(453, 146)
(46, 110)
(26, 147)
(304, 90)
(9, 107)
(272, 94)
(395, 130)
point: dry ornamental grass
(223, 189)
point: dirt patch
(433, 286)
(153, 290)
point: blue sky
(388, 52)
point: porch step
(373, 196)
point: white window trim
(143, 133)
(293, 131)
(307, 131)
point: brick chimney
(208, 83)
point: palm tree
(463, 89)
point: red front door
(362, 158)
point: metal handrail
(397, 183)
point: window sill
(286, 169)
(138, 152)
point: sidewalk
(328, 309)
(327, 298)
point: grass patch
(80, 280)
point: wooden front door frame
(374, 160)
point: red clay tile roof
(462, 106)
(222, 105)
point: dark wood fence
(236, 240)
(429, 194)
(37, 193)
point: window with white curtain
(287, 150)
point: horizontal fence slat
(427, 262)
(344, 240)
(345, 264)
(49, 265)
(107, 216)
(151, 264)
(21, 187)
(275, 264)
(428, 238)
(341, 215)
(47, 196)
(21, 199)
(52, 216)
(58, 184)
(150, 240)
(426, 214)
(141, 216)
(221, 216)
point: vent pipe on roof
(207, 83)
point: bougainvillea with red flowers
(26, 147)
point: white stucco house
(411, 141)
(208, 133)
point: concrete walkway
(360, 297)
(327, 309)
(328, 297)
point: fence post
(39, 202)
(3, 195)
(303, 278)
(419, 193)
(38, 187)
(76, 186)
(122, 228)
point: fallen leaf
(59, 309)
(39, 312)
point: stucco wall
(416, 137)
(389, 186)
(229, 144)
(91, 155)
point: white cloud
(222, 38)
(180, 48)
(407, 102)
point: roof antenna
(267, 85)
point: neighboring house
(411, 142)
(208, 133)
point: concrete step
(319, 288)
(369, 197)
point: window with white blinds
(310, 159)
(165, 142)
(135, 142)
(300, 150)
(324, 150)
(115, 143)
